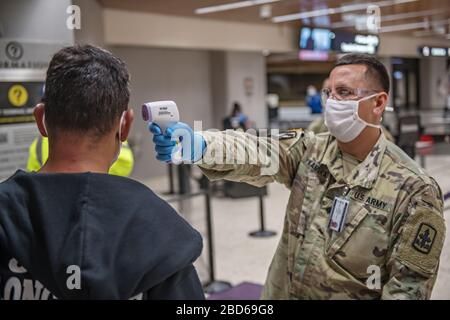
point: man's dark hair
(86, 89)
(375, 69)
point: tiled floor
(240, 258)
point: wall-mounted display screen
(434, 51)
(317, 39)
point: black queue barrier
(213, 285)
(238, 190)
(262, 232)
(182, 178)
(171, 179)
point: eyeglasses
(345, 93)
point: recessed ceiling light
(342, 9)
(418, 25)
(393, 17)
(232, 6)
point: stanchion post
(213, 286)
(262, 232)
(171, 182)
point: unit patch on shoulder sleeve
(422, 240)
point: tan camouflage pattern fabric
(394, 221)
(318, 126)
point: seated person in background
(318, 125)
(38, 155)
(71, 231)
(237, 119)
(313, 99)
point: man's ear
(39, 113)
(380, 104)
(128, 118)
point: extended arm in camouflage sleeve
(243, 157)
(417, 240)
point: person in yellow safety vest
(38, 154)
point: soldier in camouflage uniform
(393, 203)
(392, 236)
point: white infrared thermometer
(164, 114)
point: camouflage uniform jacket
(394, 227)
(318, 125)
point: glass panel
(400, 85)
(412, 81)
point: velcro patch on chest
(318, 168)
(374, 202)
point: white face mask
(116, 156)
(342, 119)
(44, 125)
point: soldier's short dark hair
(375, 69)
(86, 90)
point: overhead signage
(428, 51)
(325, 40)
(15, 54)
(22, 77)
(357, 43)
(311, 55)
(17, 100)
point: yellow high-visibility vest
(38, 154)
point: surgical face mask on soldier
(116, 156)
(43, 124)
(342, 118)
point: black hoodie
(92, 236)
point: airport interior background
(270, 57)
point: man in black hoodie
(71, 231)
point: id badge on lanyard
(338, 211)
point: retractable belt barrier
(213, 285)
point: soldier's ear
(380, 103)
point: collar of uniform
(332, 158)
(363, 174)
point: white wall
(229, 69)
(219, 87)
(35, 20)
(431, 69)
(91, 31)
(157, 30)
(241, 65)
(166, 74)
(401, 46)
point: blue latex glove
(192, 145)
